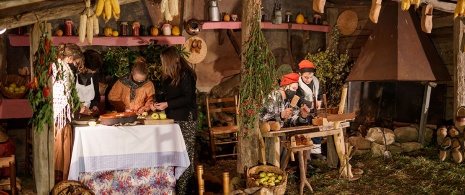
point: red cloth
(306, 64)
(6, 150)
(289, 78)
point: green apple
(155, 116)
(162, 116)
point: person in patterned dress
(178, 87)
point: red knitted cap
(289, 79)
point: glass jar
(69, 27)
(317, 19)
(124, 28)
(135, 28)
(288, 17)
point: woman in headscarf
(133, 92)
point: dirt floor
(419, 172)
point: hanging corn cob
(405, 5)
(99, 8)
(115, 8)
(459, 8)
(88, 24)
(169, 8)
(82, 27)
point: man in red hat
(310, 94)
(279, 108)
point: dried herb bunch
(331, 69)
(258, 76)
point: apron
(85, 93)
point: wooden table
(311, 131)
(129, 158)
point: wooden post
(332, 157)
(424, 113)
(248, 147)
(200, 180)
(459, 62)
(226, 183)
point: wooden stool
(302, 153)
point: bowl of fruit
(13, 86)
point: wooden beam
(441, 22)
(438, 5)
(8, 4)
(233, 40)
(459, 64)
(49, 14)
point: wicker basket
(278, 189)
(18, 80)
(70, 187)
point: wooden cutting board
(157, 122)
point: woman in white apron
(87, 83)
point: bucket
(460, 119)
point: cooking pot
(192, 27)
(119, 117)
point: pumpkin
(107, 31)
(226, 17)
(154, 31)
(175, 31)
(299, 19)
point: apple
(162, 116)
(155, 116)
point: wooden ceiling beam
(5, 4)
(49, 14)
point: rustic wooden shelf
(266, 25)
(23, 40)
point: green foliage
(152, 54)
(258, 76)
(331, 69)
(117, 61)
(39, 95)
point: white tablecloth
(103, 148)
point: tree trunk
(459, 62)
(43, 153)
(248, 146)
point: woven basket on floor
(7, 81)
(278, 189)
(70, 187)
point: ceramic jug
(166, 29)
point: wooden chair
(213, 106)
(201, 181)
(10, 162)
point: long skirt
(63, 149)
(186, 183)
